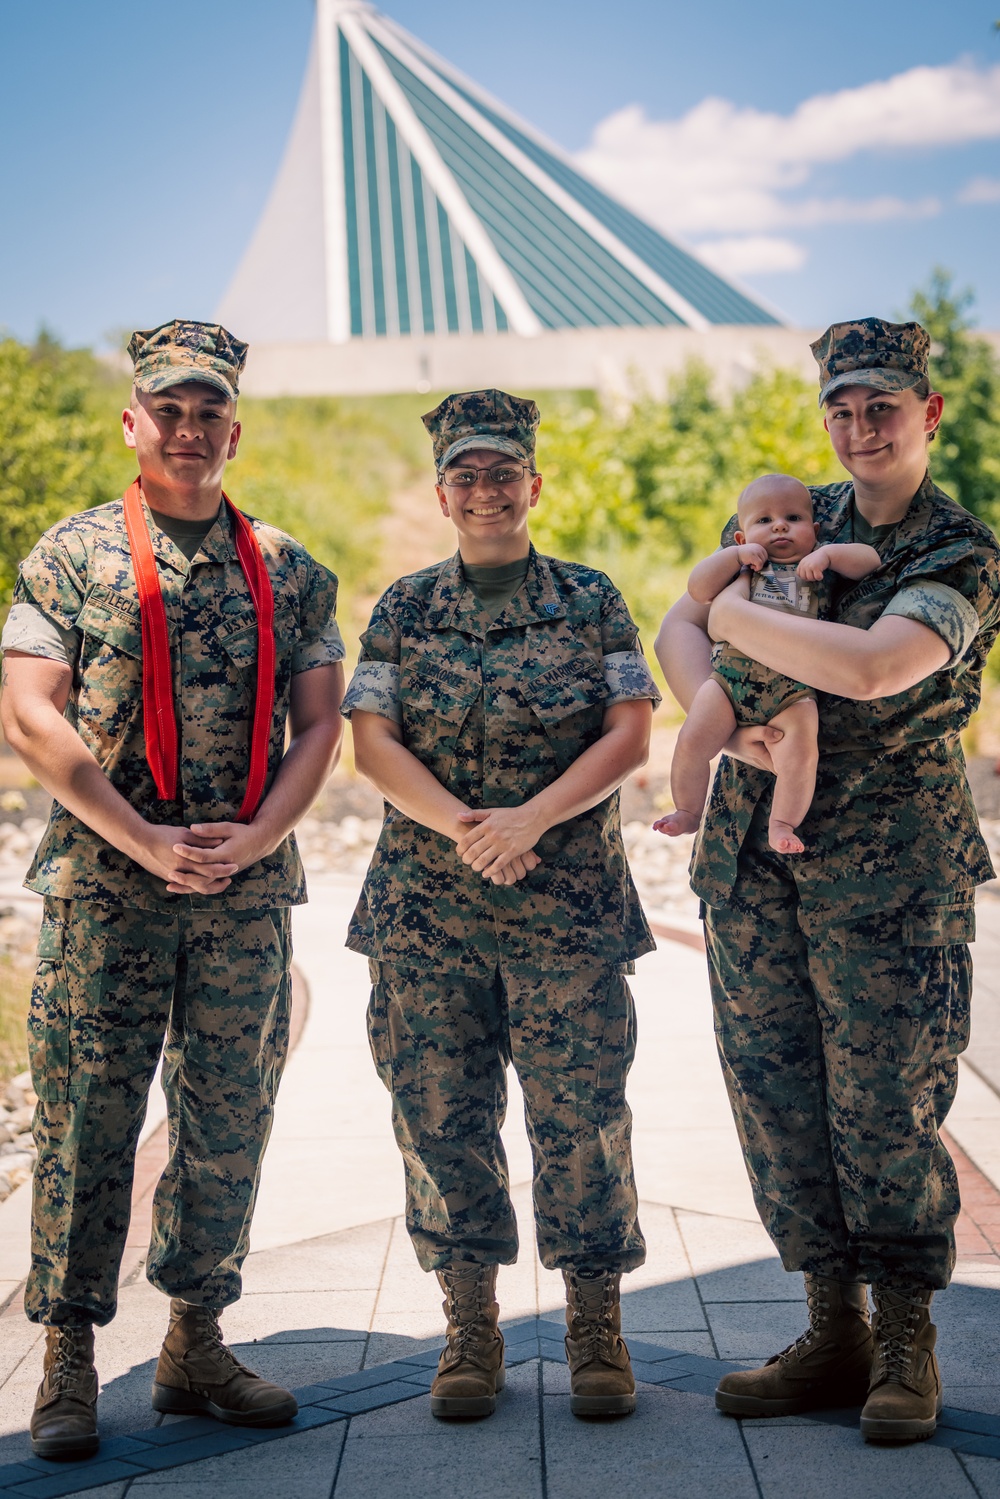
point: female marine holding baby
(841, 977)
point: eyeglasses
(501, 473)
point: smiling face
(491, 517)
(881, 435)
(183, 438)
(776, 513)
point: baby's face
(780, 520)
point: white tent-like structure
(418, 232)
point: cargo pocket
(378, 1027)
(619, 1037)
(932, 1011)
(49, 1018)
(274, 1042)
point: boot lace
(818, 1303)
(70, 1359)
(466, 1294)
(208, 1334)
(591, 1315)
(895, 1329)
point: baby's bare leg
(795, 759)
(708, 726)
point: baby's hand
(751, 555)
(813, 566)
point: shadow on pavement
(750, 1311)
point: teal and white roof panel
(410, 203)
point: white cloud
(721, 169)
(980, 190)
(858, 210)
(750, 254)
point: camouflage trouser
(441, 1043)
(839, 1044)
(112, 982)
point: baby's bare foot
(783, 838)
(676, 823)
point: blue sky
(140, 144)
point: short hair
(781, 479)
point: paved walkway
(336, 1307)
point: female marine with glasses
(500, 701)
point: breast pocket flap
(448, 696)
(571, 687)
(121, 629)
(239, 640)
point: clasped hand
(201, 859)
(500, 843)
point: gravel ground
(17, 1148)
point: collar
(454, 606)
(217, 546)
(918, 516)
(912, 524)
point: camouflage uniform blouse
(497, 711)
(892, 820)
(80, 578)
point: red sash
(159, 718)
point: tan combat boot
(196, 1372)
(905, 1397)
(470, 1369)
(64, 1421)
(828, 1366)
(600, 1371)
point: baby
(777, 540)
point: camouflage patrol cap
(482, 419)
(869, 351)
(180, 351)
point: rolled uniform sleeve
(626, 671)
(374, 687)
(320, 642)
(954, 589)
(943, 609)
(29, 630)
(48, 597)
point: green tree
(325, 469)
(589, 504)
(965, 458)
(644, 492)
(56, 443)
(675, 449)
